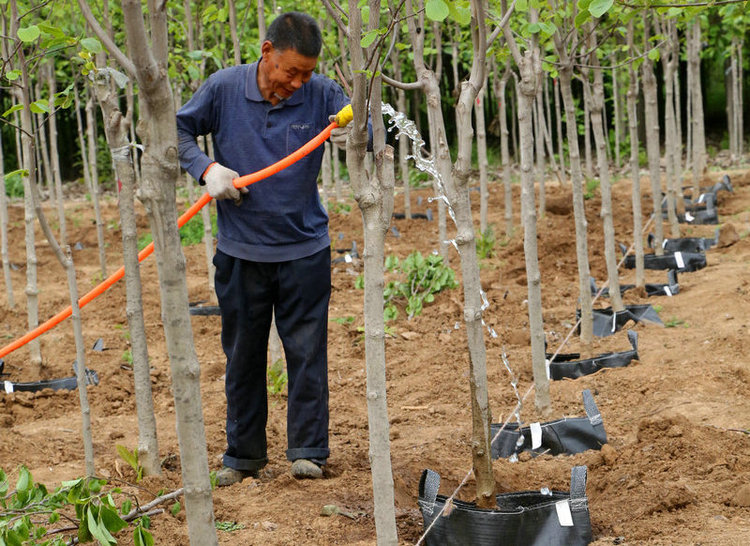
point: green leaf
(13, 75)
(460, 14)
(97, 529)
(436, 10)
(600, 7)
(12, 109)
(141, 537)
(92, 44)
(51, 30)
(24, 482)
(39, 107)
(533, 28)
(175, 509)
(29, 34)
(654, 54)
(581, 18)
(368, 38)
(111, 520)
(522, 5)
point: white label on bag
(679, 260)
(563, 513)
(614, 321)
(664, 243)
(689, 217)
(8, 386)
(347, 258)
(667, 291)
(546, 366)
(536, 435)
(702, 196)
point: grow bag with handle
(568, 435)
(578, 368)
(694, 245)
(606, 321)
(682, 262)
(671, 288)
(529, 518)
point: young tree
(158, 130)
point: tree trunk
(236, 47)
(55, 156)
(579, 211)
(652, 143)
(261, 22)
(530, 71)
(605, 186)
(41, 132)
(484, 193)
(504, 151)
(587, 125)
(558, 119)
(325, 174)
(116, 132)
(4, 233)
(374, 196)
(403, 144)
(668, 65)
(632, 96)
(160, 171)
(618, 116)
(699, 131)
(94, 181)
(539, 142)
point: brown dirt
(676, 470)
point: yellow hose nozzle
(344, 116)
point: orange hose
(102, 287)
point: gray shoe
(304, 469)
(228, 476)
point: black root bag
(529, 518)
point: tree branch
(413, 86)
(115, 51)
(329, 5)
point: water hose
(344, 116)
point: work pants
(298, 291)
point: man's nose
(297, 82)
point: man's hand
(219, 183)
(339, 134)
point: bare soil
(676, 469)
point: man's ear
(266, 48)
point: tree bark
(538, 111)
(699, 131)
(374, 195)
(94, 183)
(55, 156)
(652, 141)
(632, 98)
(484, 193)
(160, 172)
(605, 186)
(236, 47)
(504, 151)
(116, 131)
(4, 233)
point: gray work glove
(219, 183)
(339, 134)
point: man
(273, 251)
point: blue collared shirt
(280, 218)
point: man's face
(284, 71)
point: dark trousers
(248, 292)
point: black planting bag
(696, 245)
(652, 289)
(64, 383)
(528, 518)
(682, 262)
(573, 369)
(568, 435)
(607, 322)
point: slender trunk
(699, 131)
(668, 65)
(652, 143)
(82, 139)
(94, 187)
(4, 233)
(679, 168)
(605, 186)
(337, 182)
(547, 134)
(55, 156)
(41, 131)
(403, 163)
(618, 116)
(236, 47)
(504, 151)
(741, 97)
(261, 22)
(632, 97)
(374, 196)
(539, 142)
(160, 171)
(530, 71)
(116, 132)
(587, 125)
(576, 178)
(558, 119)
(484, 193)
(441, 154)
(514, 119)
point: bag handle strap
(429, 484)
(592, 411)
(578, 500)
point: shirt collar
(252, 92)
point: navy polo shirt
(281, 217)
